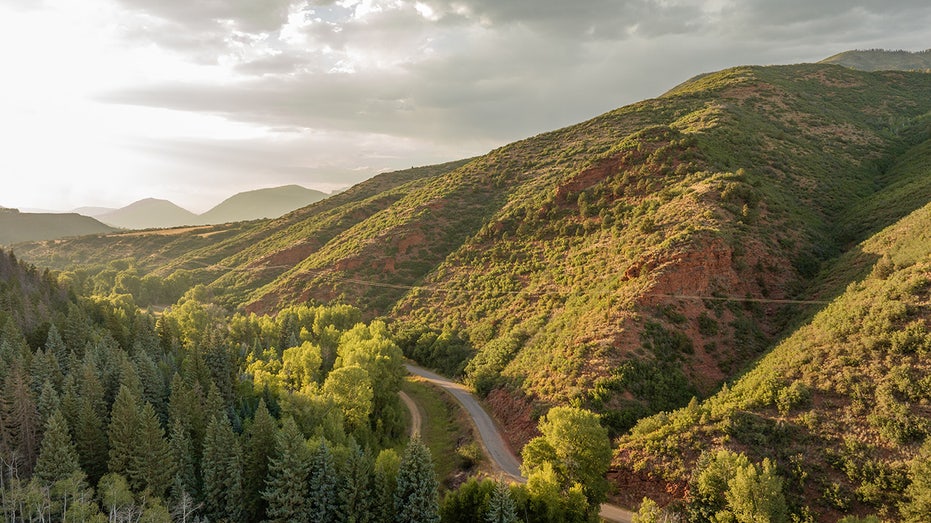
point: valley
(722, 293)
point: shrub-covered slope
(841, 405)
(628, 262)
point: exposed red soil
(514, 412)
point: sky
(105, 102)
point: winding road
(490, 437)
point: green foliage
(58, 459)
(415, 498)
(222, 470)
(469, 502)
(917, 504)
(576, 446)
(727, 487)
(323, 502)
(286, 489)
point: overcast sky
(104, 102)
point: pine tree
(259, 447)
(21, 418)
(58, 459)
(356, 492)
(501, 506)
(90, 439)
(55, 346)
(323, 484)
(286, 490)
(222, 468)
(386, 483)
(48, 402)
(152, 467)
(123, 433)
(182, 451)
(415, 500)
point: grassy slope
(841, 404)
(556, 255)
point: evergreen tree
(21, 418)
(90, 439)
(55, 346)
(58, 459)
(259, 447)
(386, 483)
(152, 465)
(185, 481)
(48, 402)
(323, 486)
(286, 491)
(415, 500)
(222, 470)
(501, 506)
(356, 492)
(123, 433)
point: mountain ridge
(626, 264)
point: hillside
(626, 263)
(841, 405)
(882, 60)
(149, 213)
(18, 226)
(261, 203)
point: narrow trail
(416, 417)
(490, 436)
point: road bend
(490, 436)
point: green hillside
(882, 60)
(841, 405)
(18, 226)
(626, 263)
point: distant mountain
(150, 213)
(882, 60)
(262, 203)
(94, 212)
(18, 226)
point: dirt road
(490, 436)
(416, 418)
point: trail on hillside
(490, 436)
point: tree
(356, 490)
(501, 506)
(222, 469)
(323, 483)
(350, 388)
(260, 446)
(58, 458)
(123, 432)
(649, 512)
(152, 466)
(917, 504)
(185, 485)
(726, 486)
(755, 494)
(415, 500)
(386, 483)
(468, 503)
(578, 448)
(286, 488)
(90, 440)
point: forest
(113, 413)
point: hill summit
(882, 60)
